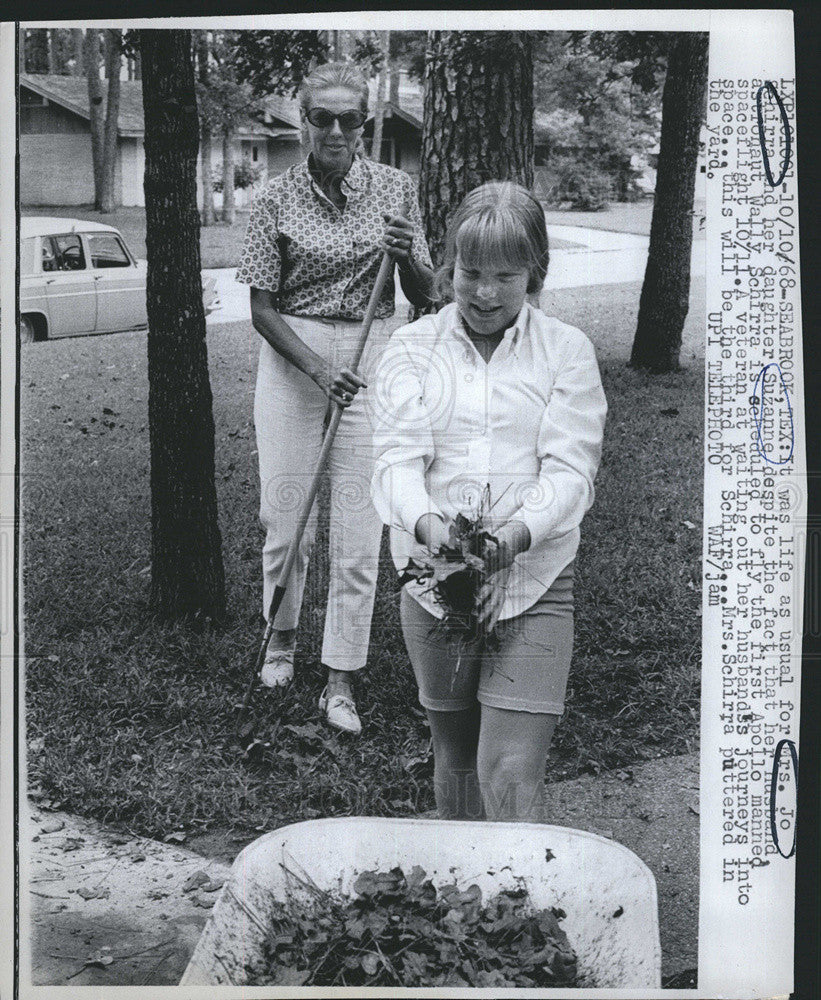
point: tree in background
(237, 70)
(600, 101)
(665, 294)
(187, 574)
(208, 216)
(103, 117)
(478, 119)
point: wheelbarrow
(607, 893)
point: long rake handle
(385, 269)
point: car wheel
(26, 330)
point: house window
(255, 153)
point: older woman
(313, 248)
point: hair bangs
(494, 238)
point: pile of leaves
(454, 573)
(401, 931)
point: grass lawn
(620, 217)
(129, 719)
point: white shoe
(278, 668)
(340, 712)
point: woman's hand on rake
(343, 387)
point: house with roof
(55, 145)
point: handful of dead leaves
(400, 930)
(454, 575)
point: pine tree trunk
(113, 42)
(379, 107)
(228, 207)
(77, 44)
(665, 294)
(95, 103)
(478, 119)
(186, 559)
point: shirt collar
(514, 334)
(353, 182)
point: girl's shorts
(527, 673)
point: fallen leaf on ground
(175, 838)
(98, 892)
(195, 880)
(100, 959)
(206, 902)
(53, 826)
(72, 844)
(213, 886)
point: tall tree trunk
(113, 48)
(187, 574)
(665, 294)
(95, 103)
(52, 53)
(207, 175)
(478, 119)
(229, 213)
(206, 136)
(381, 87)
(77, 56)
(336, 46)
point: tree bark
(229, 213)
(478, 120)
(113, 42)
(77, 43)
(95, 103)
(206, 144)
(186, 560)
(665, 294)
(381, 88)
(52, 43)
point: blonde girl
(491, 394)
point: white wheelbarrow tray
(608, 894)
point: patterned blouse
(320, 260)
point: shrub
(567, 180)
(246, 174)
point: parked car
(80, 277)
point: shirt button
(468, 377)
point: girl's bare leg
(455, 736)
(511, 758)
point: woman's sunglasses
(348, 120)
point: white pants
(290, 413)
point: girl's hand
(491, 597)
(431, 531)
(342, 388)
(398, 238)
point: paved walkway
(105, 909)
(599, 258)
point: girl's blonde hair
(334, 74)
(499, 221)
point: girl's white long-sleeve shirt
(528, 424)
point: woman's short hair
(498, 221)
(334, 74)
